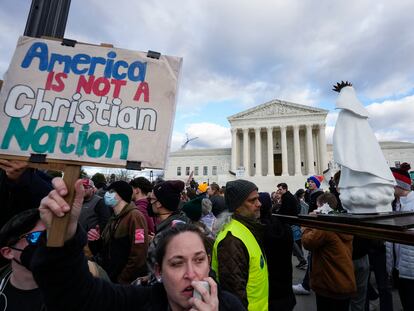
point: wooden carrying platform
(393, 227)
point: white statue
(366, 184)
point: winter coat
(278, 246)
(125, 245)
(66, 284)
(310, 198)
(332, 273)
(26, 193)
(142, 205)
(403, 260)
(233, 259)
(289, 206)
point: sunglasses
(33, 237)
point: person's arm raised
(54, 205)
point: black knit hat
(18, 225)
(168, 193)
(237, 192)
(193, 209)
(123, 189)
(141, 183)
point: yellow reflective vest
(258, 283)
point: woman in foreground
(66, 284)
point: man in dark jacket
(238, 258)
(125, 237)
(289, 204)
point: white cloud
(209, 135)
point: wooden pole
(57, 232)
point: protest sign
(90, 104)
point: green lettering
(124, 141)
(103, 144)
(66, 130)
(49, 145)
(16, 129)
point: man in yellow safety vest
(238, 259)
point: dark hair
(266, 207)
(141, 183)
(337, 177)
(17, 226)
(214, 186)
(299, 193)
(167, 235)
(283, 185)
(329, 198)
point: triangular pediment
(277, 108)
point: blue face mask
(110, 199)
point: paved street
(308, 302)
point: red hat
(402, 177)
(87, 183)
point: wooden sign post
(80, 104)
(59, 227)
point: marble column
(234, 150)
(270, 164)
(296, 148)
(309, 149)
(246, 152)
(258, 152)
(283, 145)
(322, 148)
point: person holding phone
(181, 260)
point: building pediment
(277, 108)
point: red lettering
(142, 89)
(100, 86)
(118, 84)
(59, 85)
(97, 90)
(84, 84)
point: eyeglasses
(32, 237)
(152, 200)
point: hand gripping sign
(86, 104)
(90, 104)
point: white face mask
(110, 199)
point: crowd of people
(171, 245)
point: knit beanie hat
(18, 225)
(402, 177)
(317, 179)
(193, 209)
(168, 193)
(123, 189)
(237, 192)
(202, 187)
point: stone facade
(274, 142)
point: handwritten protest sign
(90, 104)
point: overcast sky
(239, 54)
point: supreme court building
(275, 142)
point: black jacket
(310, 198)
(67, 285)
(289, 205)
(278, 244)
